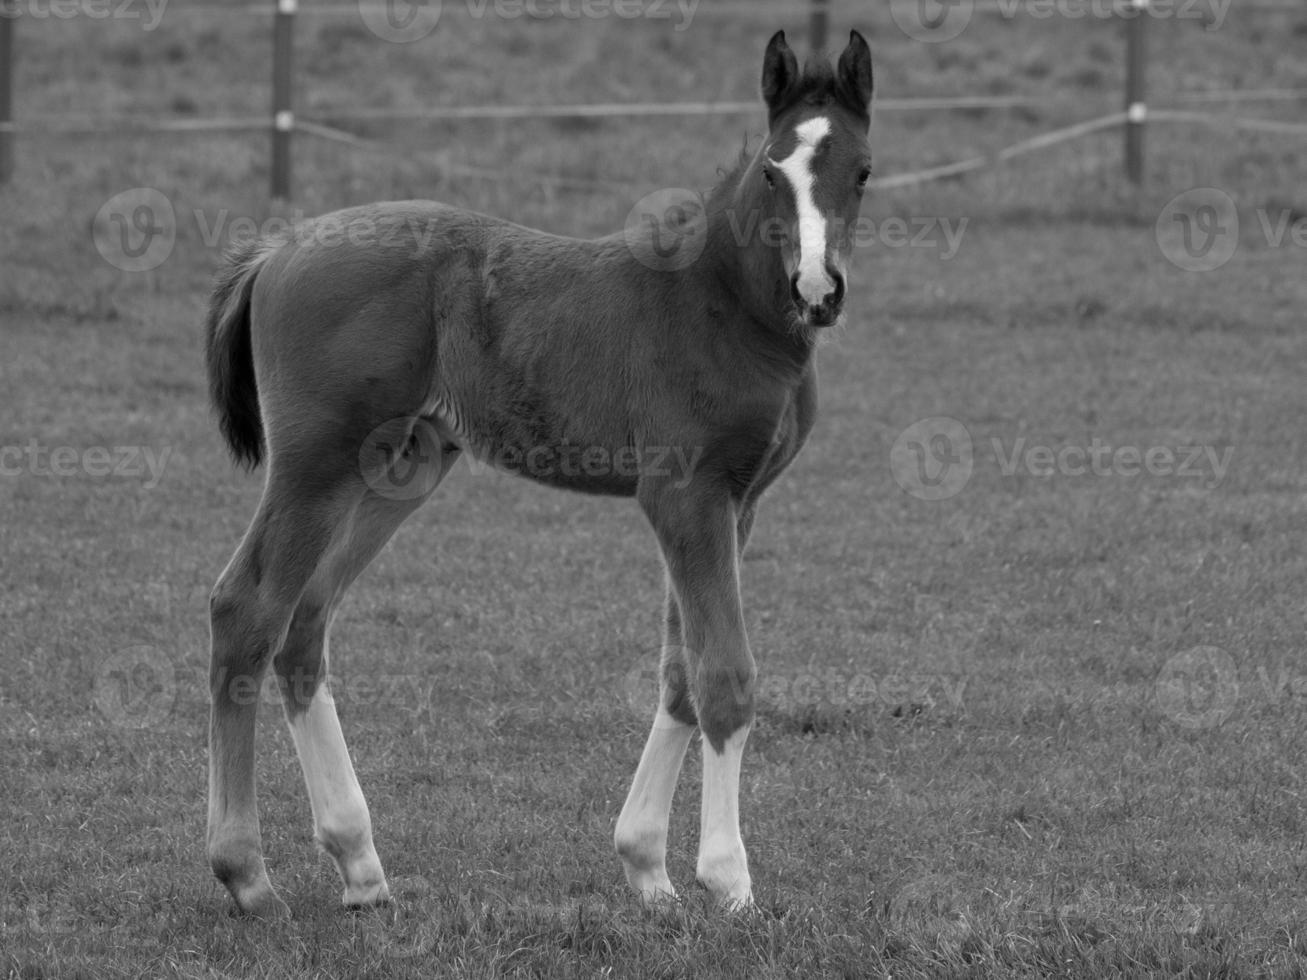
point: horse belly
(517, 437)
(596, 469)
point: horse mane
(816, 86)
(729, 179)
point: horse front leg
(641, 833)
(697, 530)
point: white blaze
(814, 284)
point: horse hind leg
(251, 608)
(316, 528)
(341, 821)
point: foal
(347, 361)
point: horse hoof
(262, 903)
(658, 899)
(734, 899)
(366, 896)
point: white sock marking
(641, 835)
(723, 866)
(814, 283)
(340, 813)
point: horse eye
(767, 176)
(864, 175)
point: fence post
(283, 116)
(1136, 108)
(6, 91)
(817, 26)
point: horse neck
(752, 271)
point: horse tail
(229, 355)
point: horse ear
(780, 71)
(854, 73)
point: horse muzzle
(827, 309)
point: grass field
(1054, 723)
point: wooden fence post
(1136, 108)
(6, 91)
(818, 23)
(283, 116)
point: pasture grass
(972, 757)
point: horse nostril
(794, 291)
(837, 297)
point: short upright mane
(724, 190)
(816, 87)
